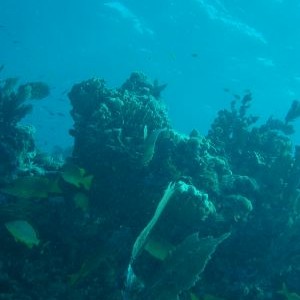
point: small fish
(149, 146)
(51, 113)
(1, 68)
(145, 132)
(195, 55)
(294, 112)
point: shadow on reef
(140, 211)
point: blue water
(198, 47)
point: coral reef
(17, 149)
(114, 121)
(115, 132)
(226, 227)
(185, 209)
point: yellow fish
(77, 176)
(158, 248)
(32, 187)
(23, 232)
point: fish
(51, 113)
(158, 248)
(294, 112)
(77, 176)
(145, 132)
(32, 187)
(149, 146)
(23, 232)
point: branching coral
(16, 142)
(251, 148)
(13, 100)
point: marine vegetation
(17, 148)
(141, 211)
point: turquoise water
(198, 47)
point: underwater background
(149, 149)
(199, 48)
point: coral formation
(113, 120)
(100, 215)
(17, 148)
(184, 208)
